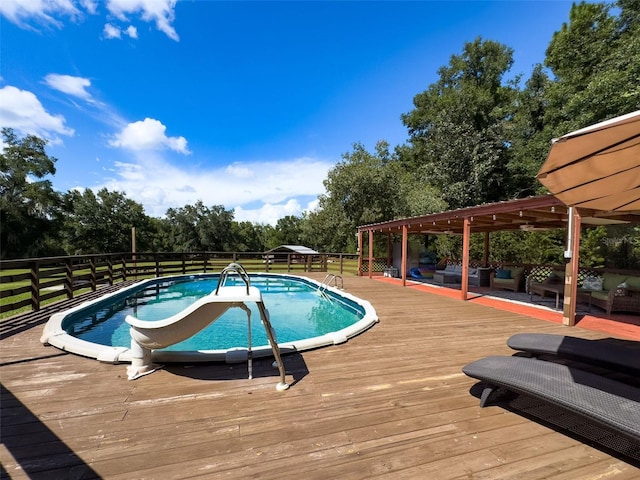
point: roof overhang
(527, 214)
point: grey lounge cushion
(623, 355)
(604, 401)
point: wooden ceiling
(527, 214)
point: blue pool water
(297, 311)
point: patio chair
(507, 279)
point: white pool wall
(54, 334)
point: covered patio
(543, 212)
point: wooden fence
(28, 284)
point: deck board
(390, 403)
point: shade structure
(597, 167)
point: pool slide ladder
(149, 335)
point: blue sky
(241, 104)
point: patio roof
(527, 214)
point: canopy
(597, 167)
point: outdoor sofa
(507, 278)
(453, 274)
(615, 292)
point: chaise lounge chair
(609, 404)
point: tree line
(479, 134)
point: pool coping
(53, 333)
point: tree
(595, 59)
(102, 223)
(249, 237)
(457, 129)
(287, 231)
(529, 136)
(360, 189)
(328, 229)
(29, 207)
(196, 228)
(416, 195)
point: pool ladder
(236, 268)
(330, 279)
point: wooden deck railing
(27, 284)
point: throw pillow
(503, 274)
(592, 283)
(621, 293)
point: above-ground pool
(304, 314)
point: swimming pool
(304, 314)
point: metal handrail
(329, 277)
(238, 270)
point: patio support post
(360, 252)
(571, 269)
(405, 235)
(389, 251)
(465, 257)
(370, 253)
(485, 259)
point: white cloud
(270, 213)
(159, 11)
(22, 12)
(22, 111)
(238, 170)
(75, 86)
(268, 192)
(312, 206)
(52, 13)
(132, 31)
(148, 134)
(111, 31)
(90, 6)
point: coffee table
(442, 278)
(557, 288)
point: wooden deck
(391, 403)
